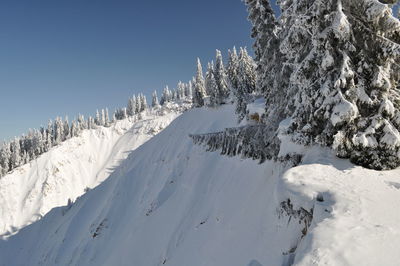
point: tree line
(233, 81)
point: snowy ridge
(66, 171)
(172, 203)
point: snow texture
(63, 173)
(172, 203)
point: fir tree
(106, 118)
(210, 73)
(143, 101)
(5, 158)
(166, 96)
(233, 68)
(154, 101)
(334, 74)
(97, 119)
(131, 107)
(199, 88)
(189, 90)
(138, 104)
(221, 78)
(66, 130)
(15, 160)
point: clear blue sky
(62, 58)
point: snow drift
(172, 203)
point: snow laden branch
(258, 142)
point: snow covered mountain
(172, 203)
(66, 171)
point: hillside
(172, 203)
(63, 173)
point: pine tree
(221, 78)
(233, 69)
(97, 119)
(102, 118)
(189, 90)
(269, 59)
(154, 101)
(15, 160)
(81, 123)
(131, 107)
(246, 72)
(166, 96)
(124, 113)
(210, 82)
(58, 131)
(74, 129)
(138, 104)
(106, 118)
(199, 87)
(214, 92)
(5, 158)
(143, 102)
(181, 90)
(330, 67)
(91, 123)
(66, 130)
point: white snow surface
(67, 170)
(172, 203)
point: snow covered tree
(154, 101)
(66, 130)
(15, 159)
(91, 123)
(210, 73)
(211, 85)
(114, 118)
(180, 90)
(143, 102)
(138, 104)
(106, 118)
(5, 158)
(215, 99)
(102, 118)
(243, 80)
(334, 75)
(189, 90)
(221, 78)
(271, 71)
(49, 136)
(97, 118)
(233, 68)
(58, 131)
(166, 96)
(74, 129)
(131, 107)
(246, 72)
(199, 87)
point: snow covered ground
(67, 170)
(172, 203)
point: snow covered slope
(172, 203)
(67, 170)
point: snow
(391, 137)
(344, 111)
(258, 106)
(63, 173)
(357, 223)
(327, 61)
(172, 203)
